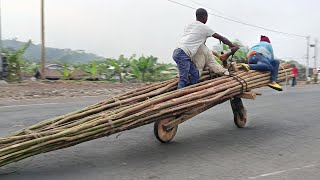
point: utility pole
(1, 61)
(307, 66)
(43, 50)
(315, 61)
(315, 53)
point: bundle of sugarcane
(133, 109)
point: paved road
(282, 141)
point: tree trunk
(120, 78)
(19, 74)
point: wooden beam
(257, 93)
(247, 95)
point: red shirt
(295, 71)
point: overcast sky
(153, 27)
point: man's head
(202, 15)
(264, 39)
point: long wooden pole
(185, 103)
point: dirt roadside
(40, 90)
(27, 90)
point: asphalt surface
(281, 141)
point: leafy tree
(164, 72)
(144, 66)
(30, 68)
(119, 68)
(241, 54)
(93, 68)
(16, 62)
(66, 72)
(147, 69)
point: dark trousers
(294, 81)
(185, 66)
(261, 63)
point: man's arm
(223, 39)
(213, 65)
(216, 54)
(224, 57)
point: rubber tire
(161, 134)
(240, 118)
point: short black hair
(201, 13)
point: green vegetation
(66, 72)
(119, 68)
(239, 56)
(122, 69)
(142, 69)
(17, 63)
(24, 61)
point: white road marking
(283, 171)
(26, 105)
(55, 98)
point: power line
(241, 22)
(195, 2)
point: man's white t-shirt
(193, 37)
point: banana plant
(16, 62)
(241, 54)
(118, 68)
(147, 69)
(66, 72)
(143, 66)
(92, 69)
(30, 68)
(164, 72)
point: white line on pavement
(26, 105)
(283, 171)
